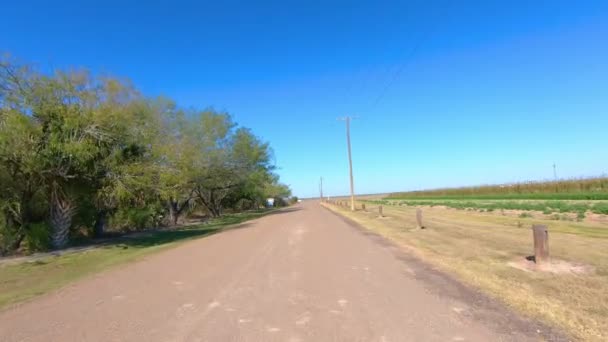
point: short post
(380, 211)
(541, 243)
(363, 206)
(419, 218)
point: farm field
(484, 243)
(595, 188)
(576, 199)
(550, 208)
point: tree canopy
(81, 154)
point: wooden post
(419, 218)
(541, 243)
(363, 206)
(380, 211)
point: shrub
(126, 219)
(580, 215)
(600, 208)
(7, 239)
(37, 237)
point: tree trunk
(174, 212)
(17, 243)
(100, 223)
(62, 211)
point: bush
(127, 219)
(279, 202)
(600, 208)
(580, 215)
(37, 237)
(7, 239)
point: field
(582, 197)
(573, 189)
(22, 281)
(484, 243)
(548, 207)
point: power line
(423, 38)
(398, 71)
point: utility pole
(350, 163)
(554, 172)
(321, 188)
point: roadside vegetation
(82, 156)
(595, 188)
(488, 250)
(24, 280)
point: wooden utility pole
(350, 164)
(554, 172)
(321, 189)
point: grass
(19, 282)
(478, 248)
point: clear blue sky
(496, 91)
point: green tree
(78, 151)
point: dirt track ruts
(301, 274)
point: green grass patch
(22, 281)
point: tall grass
(571, 189)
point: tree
(78, 151)
(81, 133)
(20, 180)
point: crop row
(571, 189)
(547, 207)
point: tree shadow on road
(167, 236)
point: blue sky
(448, 93)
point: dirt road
(302, 274)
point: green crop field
(580, 196)
(590, 189)
(547, 207)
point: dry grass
(478, 248)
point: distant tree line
(80, 155)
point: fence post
(380, 211)
(419, 218)
(541, 243)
